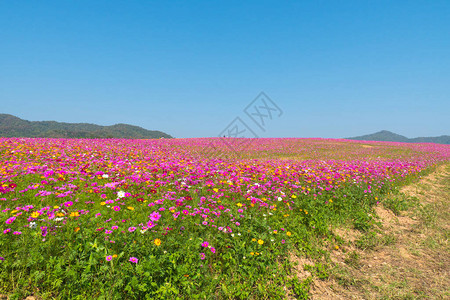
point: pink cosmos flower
(131, 229)
(134, 260)
(202, 256)
(10, 220)
(116, 208)
(154, 216)
(150, 224)
(109, 257)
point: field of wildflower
(207, 218)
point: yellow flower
(14, 211)
(114, 255)
(157, 242)
(336, 247)
(260, 242)
(60, 215)
(216, 190)
(288, 233)
(239, 204)
(35, 214)
(130, 208)
(251, 253)
(74, 214)
(253, 240)
(56, 207)
(293, 196)
(102, 203)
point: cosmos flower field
(185, 218)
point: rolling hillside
(12, 126)
(388, 136)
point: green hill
(388, 136)
(12, 126)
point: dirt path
(407, 258)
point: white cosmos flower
(33, 225)
(279, 198)
(105, 176)
(120, 194)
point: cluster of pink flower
(183, 179)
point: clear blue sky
(335, 68)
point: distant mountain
(11, 126)
(388, 136)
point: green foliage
(301, 287)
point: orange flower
(77, 229)
(157, 242)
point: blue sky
(188, 68)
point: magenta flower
(202, 256)
(17, 232)
(10, 220)
(150, 224)
(205, 244)
(109, 257)
(131, 229)
(6, 230)
(43, 231)
(154, 216)
(213, 250)
(114, 227)
(134, 260)
(116, 208)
